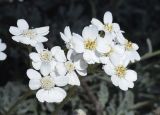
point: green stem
(14, 106)
(150, 55)
(68, 97)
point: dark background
(140, 19)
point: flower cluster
(3, 46)
(101, 43)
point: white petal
(132, 56)
(67, 32)
(121, 39)
(135, 46)
(137, 56)
(109, 68)
(39, 47)
(41, 95)
(34, 57)
(116, 27)
(55, 95)
(2, 46)
(25, 40)
(118, 49)
(123, 84)
(53, 65)
(104, 59)
(97, 23)
(90, 57)
(82, 72)
(34, 84)
(115, 80)
(90, 32)
(42, 30)
(116, 59)
(61, 69)
(22, 24)
(17, 38)
(66, 39)
(58, 53)
(33, 74)
(107, 17)
(36, 65)
(61, 80)
(79, 62)
(45, 68)
(130, 84)
(103, 46)
(33, 42)
(131, 75)
(71, 54)
(14, 31)
(78, 45)
(40, 39)
(53, 73)
(3, 56)
(73, 79)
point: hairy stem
(150, 55)
(98, 107)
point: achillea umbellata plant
(102, 43)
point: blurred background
(140, 19)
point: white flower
(3, 46)
(114, 53)
(48, 92)
(89, 44)
(75, 63)
(67, 37)
(120, 75)
(45, 60)
(23, 34)
(109, 27)
(131, 53)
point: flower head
(90, 45)
(108, 27)
(45, 60)
(120, 75)
(75, 63)
(131, 53)
(48, 86)
(3, 46)
(23, 34)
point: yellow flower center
(128, 45)
(120, 71)
(46, 56)
(90, 44)
(29, 33)
(69, 66)
(108, 27)
(47, 83)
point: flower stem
(68, 97)
(20, 99)
(150, 55)
(92, 97)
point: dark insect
(101, 33)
